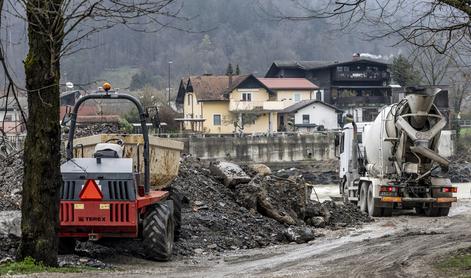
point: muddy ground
(401, 246)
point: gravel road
(404, 245)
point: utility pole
(169, 63)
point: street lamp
(169, 63)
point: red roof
(288, 83)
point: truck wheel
(419, 210)
(67, 245)
(363, 197)
(444, 211)
(345, 191)
(176, 197)
(158, 232)
(432, 211)
(387, 212)
(372, 210)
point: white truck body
(393, 162)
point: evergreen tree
(229, 70)
(404, 73)
(237, 72)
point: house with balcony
(359, 86)
(238, 104)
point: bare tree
(438, 24)
(433, 66)
(461, 87)
(55, 28)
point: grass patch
(29, 265)
(465, 131)
(458, 265)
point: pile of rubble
(227, 209)
(94, 129)
(460, 167)
(11, 179)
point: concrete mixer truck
(393, 162)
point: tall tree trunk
(42, 179)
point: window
(297, 97)
(246, 96)
(342, 140)
(306, 119)
(216, 119)
(190, 99)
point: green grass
(28, 266)
(118, 77)
(458, 265)
(465, 131)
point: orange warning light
(91, 191)
(106, 86)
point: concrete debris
(11, 179)
(78, 261)
(260, 169)
(460, 167)
(10, 223)
(94, 129)
(230, 173)
(266, 210)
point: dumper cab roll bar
(142, 117)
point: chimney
(230, 80)
(356, 56)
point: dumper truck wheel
(158, 232)
(372, 210)
(363, 197)
(444, 211)
(67, 245)
(176, 197)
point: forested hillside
(215, 33)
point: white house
(309, 115)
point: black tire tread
(176, 197)
(155, 236)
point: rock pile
(460, 167)
(266, 210)
(11, 179)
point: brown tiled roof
(288, 83)
(213, 87)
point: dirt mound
(267, 210)
(211, 218)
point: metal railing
(464, 123)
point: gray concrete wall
(281, 148)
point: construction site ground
(405, 245)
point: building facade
(359, 86)
(238, 104)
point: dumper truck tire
(158, 232)
(67, 245)
(373, 210)
(363, 197)
(176, 197)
